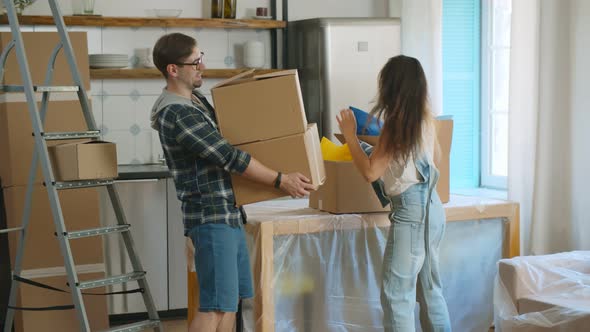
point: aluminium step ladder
(40, 154)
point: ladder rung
(8, 230)
(39, 88)
(71, 135)
(112, 280)
(139, 326)
(98, 231)
(82, 184)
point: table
(280, 219)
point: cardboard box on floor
(80, 209)
(39, 46)
(84, 160)
(17, 143)
(259, 108)
(60, 320)
(360, 201)
(295, 153)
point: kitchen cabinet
(144, 205)
(177, 263)
(152, 209)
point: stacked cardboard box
(264, 116)
(346, 191)
(42, 260)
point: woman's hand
(347, 124)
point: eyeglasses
(194, 64)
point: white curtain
(549, 130)
(422, 39)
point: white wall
(580, 120)
(303, 9)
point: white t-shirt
(398, 178)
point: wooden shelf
(103, 21)
(151, 73)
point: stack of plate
(108, 60)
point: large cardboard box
(62, 320)
(84, 160)
(39, 46)
(345, 191)
(259, 108)
(17, 142)
(80, 208)
(444, 131)
(295, 153)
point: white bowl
(167, 12)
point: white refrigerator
(338, 61)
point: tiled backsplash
(122, 107)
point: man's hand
(296, 185)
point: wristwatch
(277, 183)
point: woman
(403, 159)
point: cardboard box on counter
(80, 209)
(39, 47)
(58, 320)
(16, 141)
(345, 191)
(295, 153)
(84, 160)
(444, 129)
(259, 108)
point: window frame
(487, 179)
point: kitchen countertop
(143, 171)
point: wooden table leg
(193, 295)
(264, 311)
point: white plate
(97, 66)
(262, 17)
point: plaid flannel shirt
(200, 161)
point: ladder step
(39, 88)
(82, 184)
(71, 135)
(112, 280)
(8, 230)
(98, 231)
(139, 326)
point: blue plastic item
(374, 127)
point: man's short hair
(172, 48)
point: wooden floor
(175, 325)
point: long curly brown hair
(402, 103)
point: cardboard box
(444, 129)
(17, 143)
(296, 153)
(84, 160)
(80, 208)
(62, 320)
(39, 46)
(345, 191)
(259, 108)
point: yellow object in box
(333, 152)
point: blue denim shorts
(223, 266)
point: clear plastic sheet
(323, 272)
(543, 293)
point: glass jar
(223, 8)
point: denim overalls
(410, 262)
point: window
(495, 50)
(461, 87)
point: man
(201, 161)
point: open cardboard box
(258, 108)
(444, 130)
